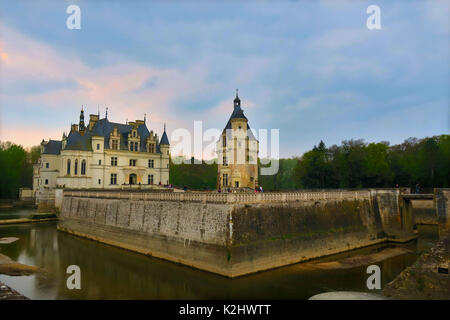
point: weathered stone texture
(231, 239)
(441, 198)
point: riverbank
(16, 203)
(38, 217)
(6, 293)
(13, 268)
(425, 279)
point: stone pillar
(395, 214)
(441, 201)
(59, 195)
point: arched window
(75, 168)
(83, 167)
(68, 166)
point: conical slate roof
(238, 113)
(164, 139)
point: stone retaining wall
(235, 234)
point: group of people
(417, 189)
(258, 189)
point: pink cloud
(29, 136)
(120, 87)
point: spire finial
(145, 115)
(98, 111)
(106, 114)
(81, 107)
(237, 101)
(164, 127)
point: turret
(237, 151)
(164, 144)
(237, 101)
(63, 141)
(82, 127)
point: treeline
(353, 164)
(16, 168)
(195, 177)
(283, 180)
(357, 164)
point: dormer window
(134, 146)
(114, 142)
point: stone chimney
(74, 128)
(43, 143)
(93, 118)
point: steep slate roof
(52, 147)
(103, 128)
(238, 113)
(164, 139)
(75, 141)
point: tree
(356, 164)
(12, 169)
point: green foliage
(16, 168)
(283, 179)
(356, 164)
(315, 169)
(353, 164)
(194, 176)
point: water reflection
(15, 213)
(112, 273)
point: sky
(311, 69)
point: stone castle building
(237, 152)
(103, 155)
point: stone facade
(237, 152)
(235, 234)
(102, 155)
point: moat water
(112, 273)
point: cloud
(29, 136)
(121, 87)
(301, 67)
(339, 38)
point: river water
(112, 273)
